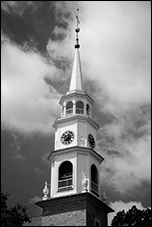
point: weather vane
(77, 30)
(77, 18)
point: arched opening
(88, 109)
(94, 179)
(79, 107)
(65, 181)
(69, 107)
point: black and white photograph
(76, 113)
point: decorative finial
(77, 30)
(104, 197)
(45, 192)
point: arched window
(88, 109)
(65, 181)
(69, 107)
(79, 107)
(94, 179)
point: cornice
(75, 117)
(77, 149)
(88, 197)
(76, 94)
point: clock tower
(75, 190)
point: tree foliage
(15, 216)
(133, 217)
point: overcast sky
(37, 40)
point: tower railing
(66, 183)
(88, 113)
(79, 111)
(69, 111)
(94, 187)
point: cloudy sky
(37, 40)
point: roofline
(76, 148)
(75, 116)
(70, 198)
(75, 93)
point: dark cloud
(20, 7)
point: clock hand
(67, 137)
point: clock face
(67, 137)
(91, 141)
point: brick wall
(94, 210)
(63, 204)
(73, 218)
(65, 211)
(74, 210)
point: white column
(85, 113)
(74, 107)
(64, 110)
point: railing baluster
(94, 186)
(65, 183)
(79, 111)
(69, 111)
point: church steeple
(76, 83)
(75, 190)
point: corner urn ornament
(104, 196)
(85, 183)
(45, 192)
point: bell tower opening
(88, 109)
(65, 180)
(79, 107)
(69, 108)
(94, 180)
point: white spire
(76, 83)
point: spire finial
(77, 30)
(76, 83)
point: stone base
(75, 210)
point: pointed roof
(76, 83)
